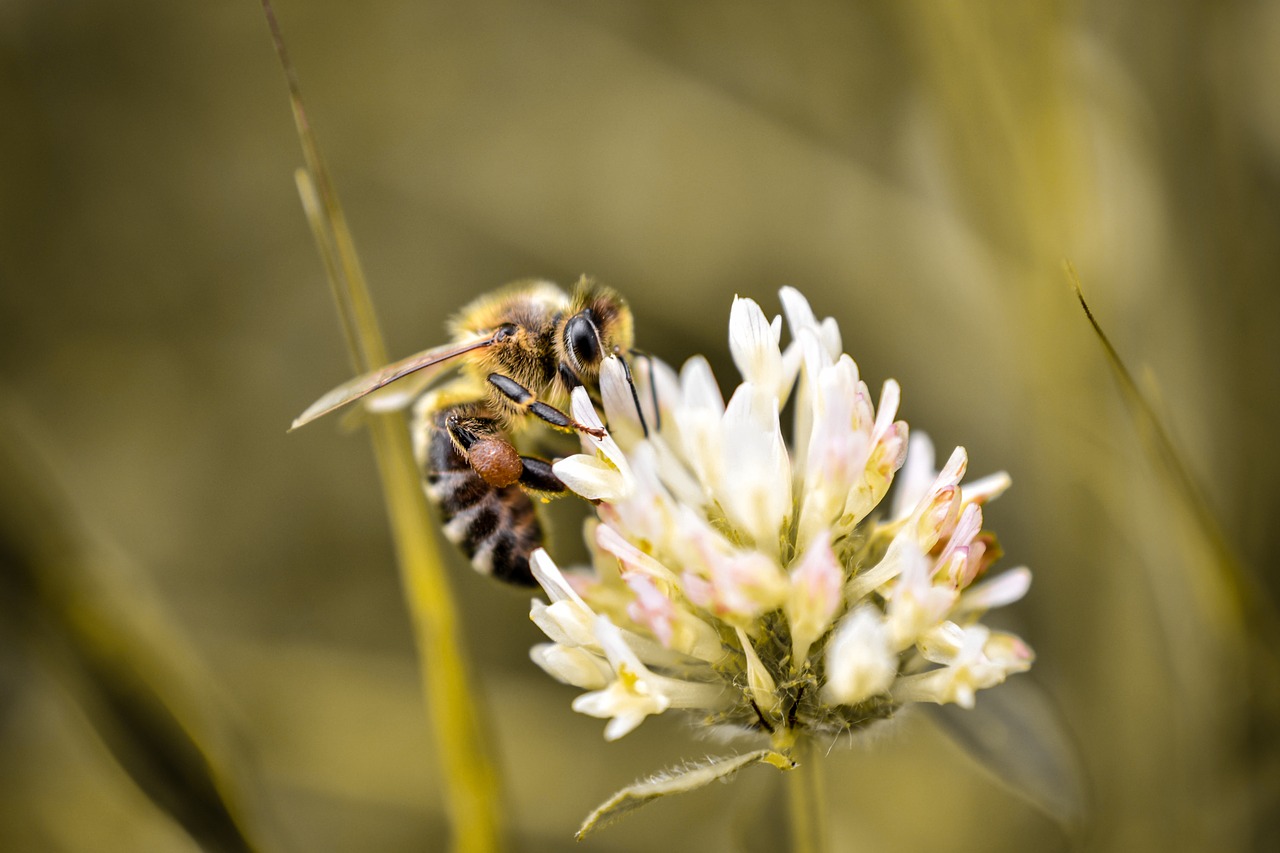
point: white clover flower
(763, 585)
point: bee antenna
(635, 395)
(653, 389)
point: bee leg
(486, 451)
(495, 459)
(523, 397)
(537, 475)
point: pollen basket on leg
(497, 528)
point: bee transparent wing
(398, 395)
(430, 362)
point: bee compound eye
(582, 339)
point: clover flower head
(768, 585)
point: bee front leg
(495, 459)
(523, 397)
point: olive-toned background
(919, 169)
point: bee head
(598, 326)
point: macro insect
(519, 352)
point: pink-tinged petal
(837, 453)
(968, 527)
(936, 517)
(633, 560)
(1008, 653)
(956, 562)
(967, 573)
(651, 608)
(733, 584)
(699, 591)
(817, 581)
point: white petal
(619, 401)
(943, 643)
(799, 314)
(754, 345)
(550, 578)
(698, 386)
(698, 421)
(633, 695)
(953, 472)
(1004, 589)
(602, 472)
(984, 659)
(859, 660)
(917, 603)
(836, 454)
(915, 477)
(564, 622)
(592, 478)
(571, 665)
(890, 396)
(829, 333)
(988, 488)
(755, 485)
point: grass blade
(1248, 597)
(471, 782)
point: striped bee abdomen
(496, 528)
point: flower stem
(806, 801)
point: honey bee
(519, 353)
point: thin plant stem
(806, 800)
(471, 783)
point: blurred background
(185, 585)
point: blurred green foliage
(918, 169)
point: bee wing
(430, 361)
(399, 394)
